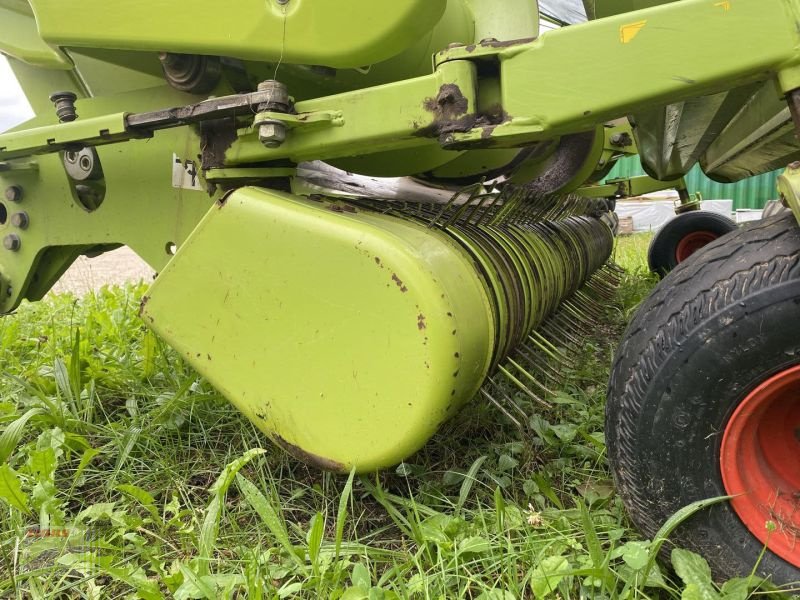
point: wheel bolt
(20, 220)
(14, 193)
(11, 242)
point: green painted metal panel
(753, 192)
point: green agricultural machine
(241, 149)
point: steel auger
(455, 241)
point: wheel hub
(692, 242)
(760, 463)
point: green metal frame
(546, 90)
(399, 297)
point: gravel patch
(112, 268)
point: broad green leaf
(592, 540)
(194, 586)
(547, 575)
(141, 496)
(314, 539)
(210, 526)
(290, 590)
(674, 521)
(269, 515)
(545, 488)
(13, 432)
(355, 593)
(636, 554)
(695, 573)
(361, 577)
(341, 514)
(506, 462)
(86, 458)
(75, 375)
(469, 481)
(566, 433)
(11, 490)
(149, 354)
(474, 545)
(739, 587)
(42, 464)
(496, 595)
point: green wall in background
(754, 192)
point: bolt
(20, 220)
(272, 134)
(65, 106)
(14, 193)
(620, 139)
(278, 96)
(12, 242)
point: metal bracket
(789, 188)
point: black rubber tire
(710, 332)
(661, 256)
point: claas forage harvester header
(221, 145)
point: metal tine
(530, 377)
(447, 206)
(543, 366)
(549, 349)
(522, 387)
(596, 306)
(569, 345)
(584, 315)
(579, 325)
(587, 305)
(476, 192)
(530, 365)
(490, 382)
(502, 409)
(479, 206)
(511, 400)
(568, 338)
(489, 209)
(605, 292)
(509, 197)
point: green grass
(165, 490)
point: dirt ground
(116, 267)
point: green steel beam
(629, 187)
(547, 89)
(310, 33)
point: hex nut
(12, 242)
(272, 134)
(20, 220)
(14, 193)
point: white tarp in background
(649, 215)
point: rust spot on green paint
(421, 322)
(307, 457)
(399, 283)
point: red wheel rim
(692, 242)
(760, 463)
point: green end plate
(347, 336)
